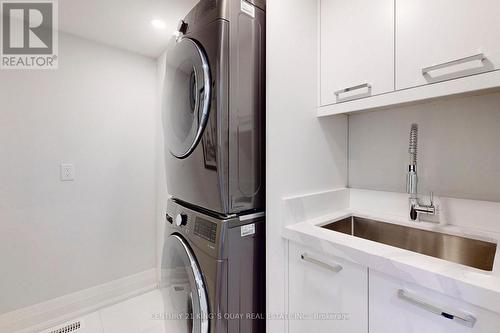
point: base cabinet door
(439, 40)
(326, 294)
(399, 307)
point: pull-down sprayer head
(413, 148)
(411, 178)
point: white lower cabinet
(326, 294)
(399, 307)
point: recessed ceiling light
(158, 24)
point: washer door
(185, 296)
(187, 96)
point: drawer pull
(479, 57)
(456, 316)
(346, 90)
(333, 268)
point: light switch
(67, 172)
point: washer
(213, 272)
(214, 107)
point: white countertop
(304, 219)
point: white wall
(458, 148)
(161, 181)
(98, 112)
(304, 154)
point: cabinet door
(356, 49)
(420, 310)
(453, 33)
(326, 294)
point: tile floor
(132, 316)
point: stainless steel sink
(469, 252)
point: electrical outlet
(67, 172)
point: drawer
(398, 306)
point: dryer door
(183, 289)
(187, 96)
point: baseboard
(40, 316)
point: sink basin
(469, 252)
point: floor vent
(70, 327)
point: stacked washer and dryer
(213, 265)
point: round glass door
(187, 96)
(183, 289)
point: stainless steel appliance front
(214, 108)
(213, 272)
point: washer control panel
(180, 220)
(205, 229)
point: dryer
(214, 108)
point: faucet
(415, 207)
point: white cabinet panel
(433, 32)
(391, 313)
(318, 287)
(356, 48)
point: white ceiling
(124, 24)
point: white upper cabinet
(356, 49)
(329, 293)
(438, 40)
(376, 54)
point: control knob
(180, 220)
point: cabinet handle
(480, 57)
(345, 90)
(333, 268)
(456, 316)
